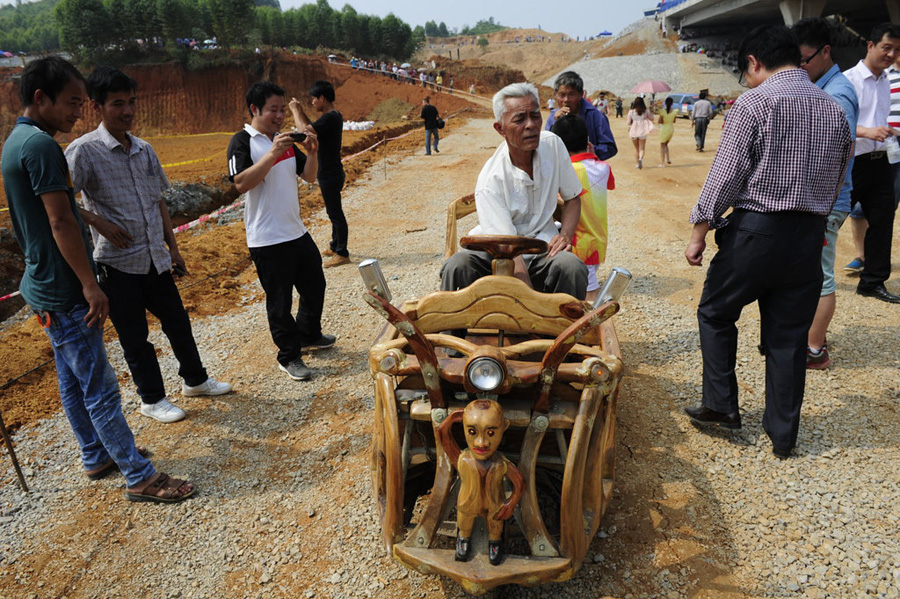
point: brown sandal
(160, 488)
(109, 466)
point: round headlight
(485, 374)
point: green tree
(170, 17)
(297, 27)
(230, 18)
(82, 26)
(442, 30)
(431, 29)
(483, 44)
(416, 40)
(393, 37)
(482, 27)
(144, 19)
(350, 23)
(376, 37)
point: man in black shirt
(430, 116)
(329, 129)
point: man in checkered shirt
(779, 170)
(121, 183)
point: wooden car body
(563, 369)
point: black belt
(873, 155)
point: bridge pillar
(794, 10)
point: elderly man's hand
(559, 243)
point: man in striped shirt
(779, 171)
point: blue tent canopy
(604, 33)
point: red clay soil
(190, 116)
(216, 255)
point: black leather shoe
(782, 453)
(879, 292)
(462, 549)
(705, 417)
(495, 552)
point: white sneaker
(163, 411)
(210, 387)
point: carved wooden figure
(481, 470)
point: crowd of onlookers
(434, 78)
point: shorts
(832, 223)
(592, 284)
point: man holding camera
(264, 164)
(121, 183)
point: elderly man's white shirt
(509, 202)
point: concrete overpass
(720, 13)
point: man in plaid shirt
(121, 183)
(779, 166)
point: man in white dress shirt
(516, 195)
(872, 182)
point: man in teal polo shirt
(60, 283)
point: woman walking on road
(640, 123)
(666, 130)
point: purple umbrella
(651, 87)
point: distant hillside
(537, 60)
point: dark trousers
(563, 273)
(130, 298)
(282, 268)
(331, 193)
(775, 260)
(873, 189)
(700, 125)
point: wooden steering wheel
(503, 248)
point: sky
(585, 22)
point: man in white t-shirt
(516, 195)
(264, 164)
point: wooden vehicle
(552, 363)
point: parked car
(683, 103)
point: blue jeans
(437, 138)
(90, 396)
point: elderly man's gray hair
(569, 79)
(513, 90)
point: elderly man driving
(516, 195)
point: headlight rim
(478, 361)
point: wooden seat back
(497, 302)
(456, 210)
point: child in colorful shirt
(596, 178)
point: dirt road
(284, 508)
